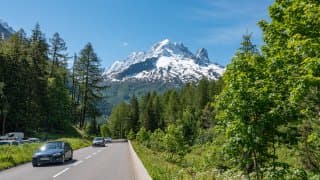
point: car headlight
(57, 154)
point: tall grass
(14, 155)
(156, 164)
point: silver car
(98, 141)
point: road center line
(77, 163)
(88, 157)
(61, 172)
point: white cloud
(125, 44)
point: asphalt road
(91, 163)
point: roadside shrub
(173, 141)
(131, 135)
(204, 136)
(156, 140)
(143, 136)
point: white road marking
(61, 172)
(88, 157)
(99, 150)
(77, 163)
(94, 153)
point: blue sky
(118, 27)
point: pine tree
(135, 113)
(57, 49)
(39, 63)
(90, 82)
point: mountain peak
(5, 30)
(168, 62)
(202, 57)
(168, 48)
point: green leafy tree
(293, 50)
(105, 130)
(242, 110)
(120, 120)
(173, 140)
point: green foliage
(93, 128)
(265, 121)
(33, 101)
(143, 136)
(157, 111)
(156, 140)
(156, 165)
(173, 141)
(77, 143)
(87, 86)
(292, 51)
(120, 121)
(14, 155)
(131, 135)
(105, 130)
(242, 109)
(189, 126)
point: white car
(108, 140)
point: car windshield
(98, 139)
(52, 145)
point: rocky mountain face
(167, 62)
(5, 30)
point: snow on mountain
(166, 61)
(5, 30)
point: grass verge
(155, 163)
(14, 155)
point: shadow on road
(59, 164)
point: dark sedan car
(53, 152)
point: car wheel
(35, 164)
(71, 157)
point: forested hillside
(262, 123)
(37, 91)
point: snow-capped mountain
(167, 62)
(5, 30)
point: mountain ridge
(5, 30)
(166, 61)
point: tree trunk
(3, 121)
(86, 90)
